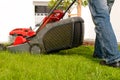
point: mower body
(63, 34)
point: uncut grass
(72, 64)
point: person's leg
(104, 32)
(97, 48)
(98, 53)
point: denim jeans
(105, 44)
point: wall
(13, 14)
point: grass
(72, 64)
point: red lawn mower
(53, 34)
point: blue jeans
(105, 44)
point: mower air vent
(59, 37)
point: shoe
(116, 64)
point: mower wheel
(2, 47)
(35, 49)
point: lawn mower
(53, 33)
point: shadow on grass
(85, 51)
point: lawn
(72, 64)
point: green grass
(72, 64)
